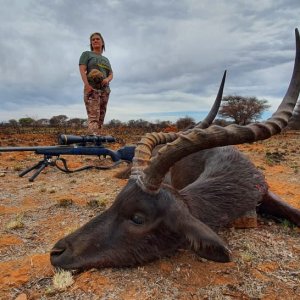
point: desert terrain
(34, 215)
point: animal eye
(138, 219)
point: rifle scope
(64, 139)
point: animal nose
(57, 251)
(62, 255)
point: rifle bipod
(40, 166)
(49, 161)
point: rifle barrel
(16, 149)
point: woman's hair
(103, 43)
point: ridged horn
(146, 145)
(214, 109)
(215, 136)
(294, 122)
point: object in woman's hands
(95, 78)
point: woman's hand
(87, 88)
(105, 82)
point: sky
(168, 56)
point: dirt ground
(34, 215)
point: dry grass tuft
(65, 202)
(18, 167)
(94, 203)
(16, 223)
(71, 229)
(62, 279)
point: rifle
(75, 145)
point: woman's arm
(108, 79)
(82, 70)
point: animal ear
(203, 240)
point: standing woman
(96, 74)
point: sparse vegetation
(101, 202)
(16, 223)
(70, 229)
(266, 260)
(274, 157)
(287, 224)
(65, 202)
(62, 280)
(18, 167)
(52, 191)
(295, 168)
(243, 110)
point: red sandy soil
(266, 259)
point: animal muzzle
(59, 255)
(63, 256)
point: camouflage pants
(95, 103)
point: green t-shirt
(95, 61)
